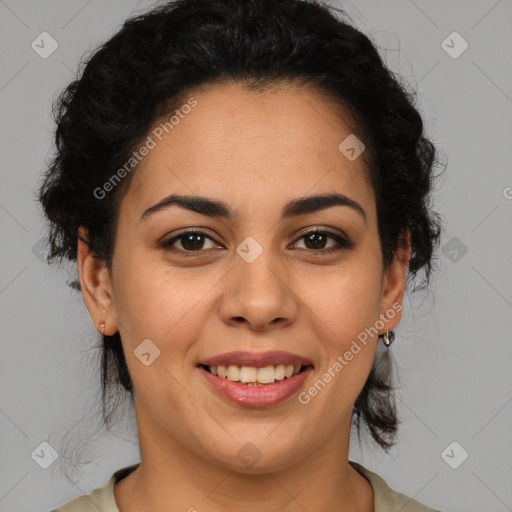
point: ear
(96, 286)
(395, 280)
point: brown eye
(315, 240)
(190, 241)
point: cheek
(154, 302)
(344, 307)
(345, 302)
(169, 309)
(343, 317)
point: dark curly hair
(145, 71)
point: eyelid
(321, 229)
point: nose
(258, 295)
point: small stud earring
(102, 328)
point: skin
(255, 152)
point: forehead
(247, 147)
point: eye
(316, 238)
(190, 241)
(193, 241)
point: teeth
(251, 375)
(247, 374)
(233, 373)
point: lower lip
(256, 396)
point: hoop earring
(388, 338)
(101, 328)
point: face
(255, 281)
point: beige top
(385, 498)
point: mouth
(255, 387)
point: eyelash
(343, 243)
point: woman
(244, 187)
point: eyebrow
(215, 208)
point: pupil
(314, 238)
(193, 241)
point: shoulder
(101, 498)
(387, 499)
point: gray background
(453, 350)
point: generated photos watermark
(151, 142)
(343, 360)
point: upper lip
(255, 359)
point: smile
(252, 375)
(247, 387)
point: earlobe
(395, 280)
(96, 286)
